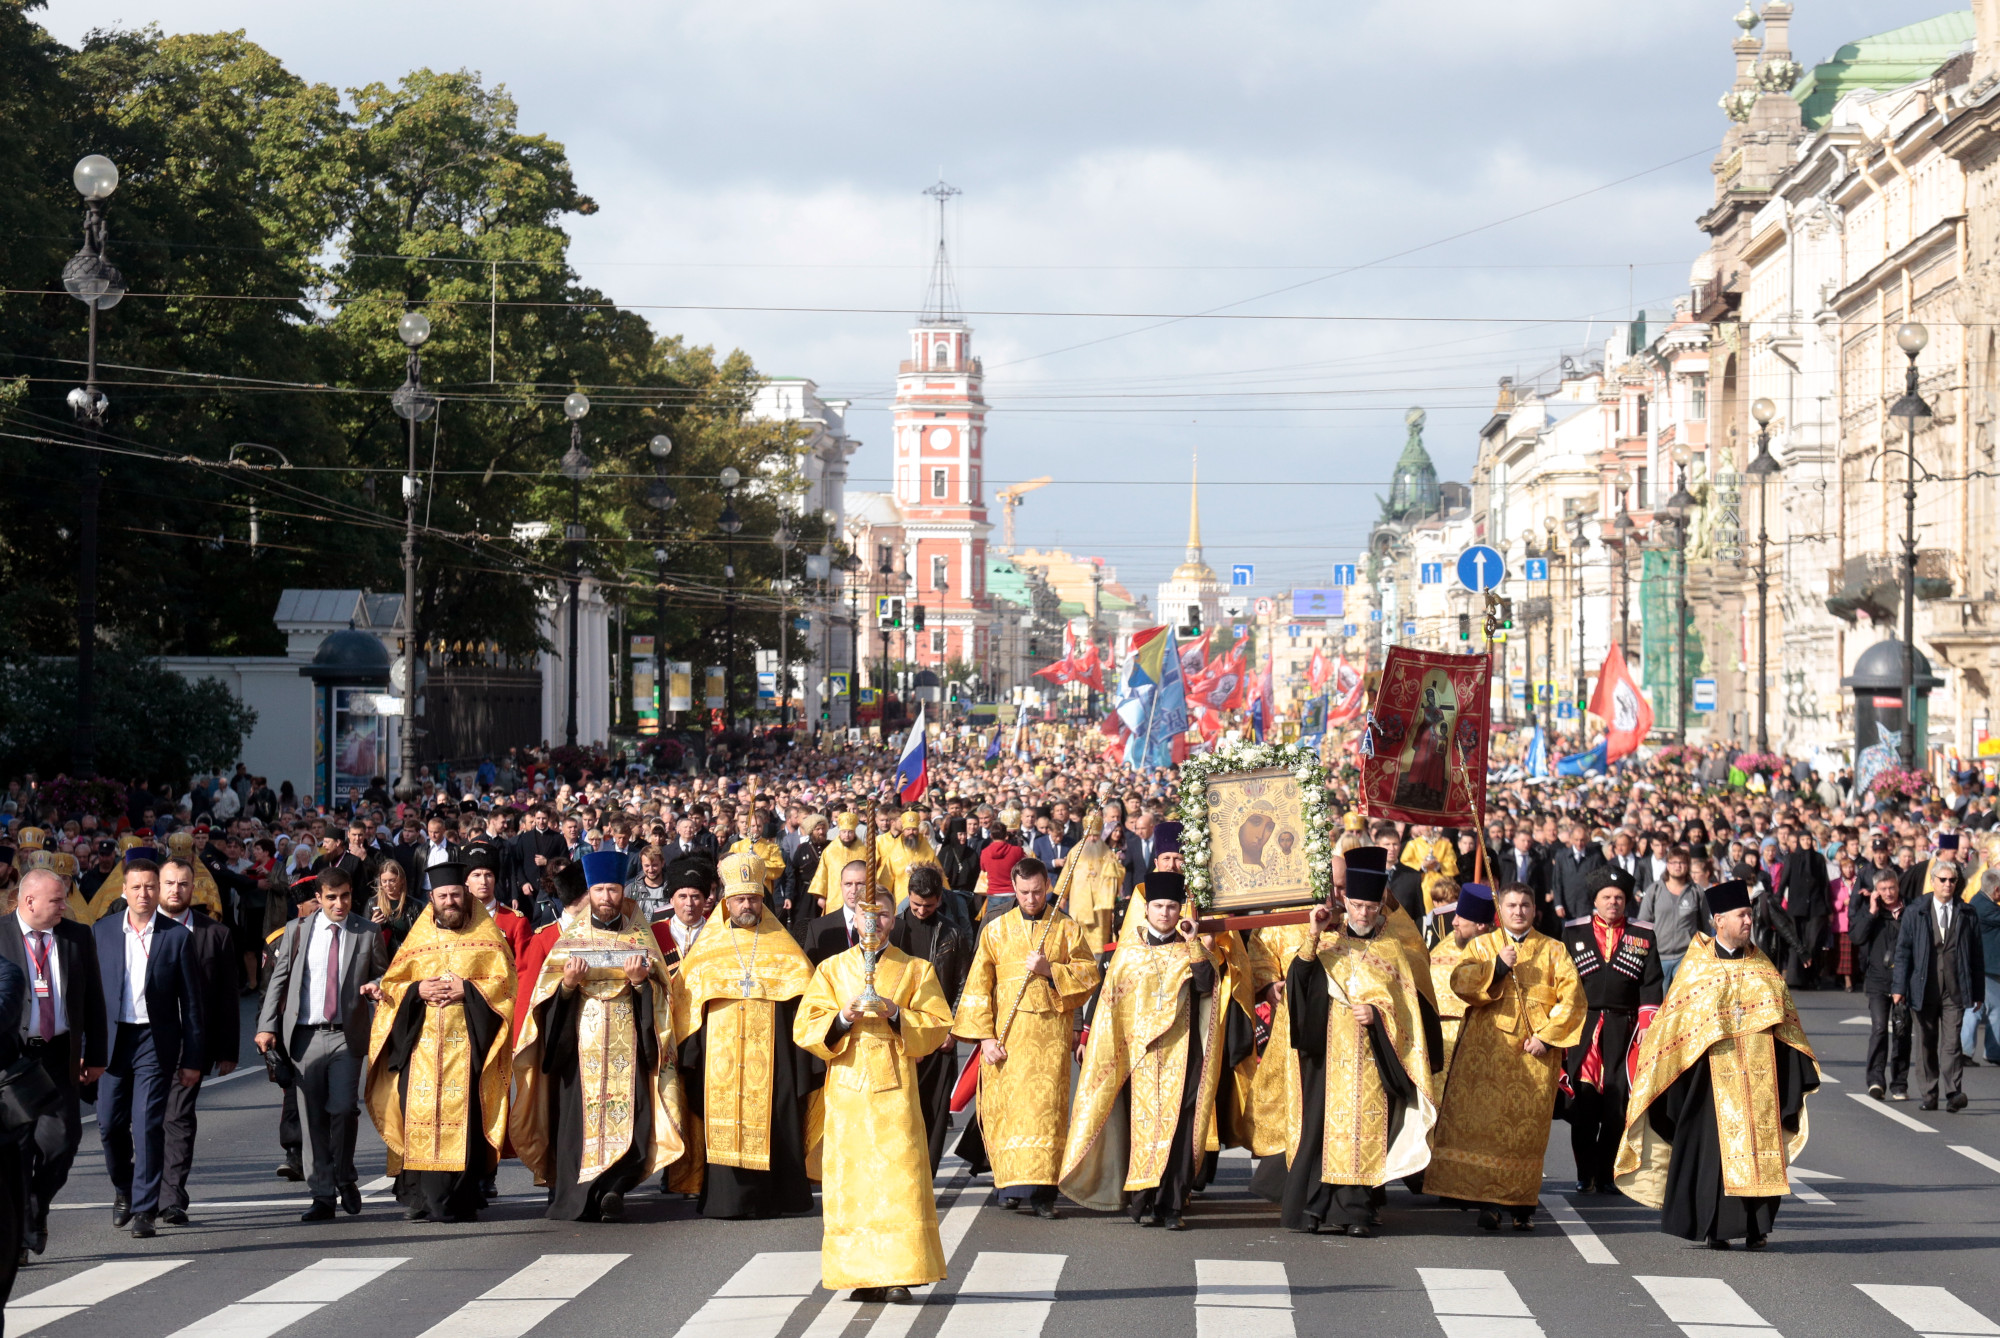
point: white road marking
(1861, 1021)
(1706, 1307)
(1242, 1298)
(1990, 1163)
(1898, 1116)
(756, 1302)
(1005, 1296)
(1593, 1250)
(283, 1304)
(60, 1300)
(1478, 1303)
(1801, 1173)
(513, 1307)
(1931, 1311)
(1807, 1194)
(834, 1317)
(896, 1321)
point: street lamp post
(413, 405)
(660, 497)
(575, 468)
(849, 565)
(1528, 642)
(1675, 512)
(1910, 338)
(1578, 543)
(1627, 532)
(95, 282)
(784, 541)
(1762, 468)
(730, 524)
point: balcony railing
(1872, 583)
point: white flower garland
(1192, 809)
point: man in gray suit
(317, 1011)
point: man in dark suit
(317, 1009)
(1940, 972)
(153, 997)
(932, 929)
(62, 1025)
(835, 932)
(1807, 897)
(221, 1022)
(1574, 863)
(533, 849)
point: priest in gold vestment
(597, 1104)
(1274, 1107)
(1092, 878)
(1032, 970)
(440, 1054)
(1362, 1111)
(880, 1232)
(1146, 1099)
(1472, 916)
(1727, 1039)
(748, 1083)
(897, 852)
(1524, 1004)
(846, 847)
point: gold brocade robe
(880, 1213)
(894, 860)
(732, 982)
(1499, 1100)
(1140, 1035)
(1356, 1147)
(424, 1122)
(1088, 890)
(1274, 1109)
(607, 1057)
(1732, 1011)
(1024, 1101)
(838, 855)
(1445, 958)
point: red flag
(1317, 671)
(1345, 698)
(1194, 658)
(1091, 668)
(1626, 714)
(1220, 687)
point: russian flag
(913, 768)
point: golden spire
(1194, 510)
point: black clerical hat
(1367, 873)
(1733, 895)
(449, 874)
(1163, 886)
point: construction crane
(1011, 498)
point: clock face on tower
(940, 438)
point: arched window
(941, 355)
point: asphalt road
(1888, 1233)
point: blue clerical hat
(604, 866)
(1475, 903)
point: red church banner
(1423, 755)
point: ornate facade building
(1193, 594)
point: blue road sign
(1294, 630)
(1343, 573)
(1238, 631)
(1409, 629)
(1319, 603)
(1349, 629)
(1545, 692)
(1565, 710)
(1536, 569)
(1481, 568)
(1432, 573)
(1517, 688)
(1374, 615)
(1243, 573)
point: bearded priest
(439, 1056)
(880, 1236)
(1145, 1101)
(1727, 1039)
(597, 1104)
(1364, 1105)
(898, 852)
(748, 1082)
(846, 847)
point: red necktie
(333, 977)
(45, 1009)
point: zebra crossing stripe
(517, 1305)
(756, 1302)
(1706, 1307)
(1932, 1311)
(1478, 1303)
(283, 1304)
(1005, 1296)
(1242, 1298)
(60, 1300)
(1593, 1250)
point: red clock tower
(940, 433)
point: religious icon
(1257, 860)
(1424, 762)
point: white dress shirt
(29, 945)
(138, 953)
(684, 934)
(320, 939)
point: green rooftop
(1882, 62)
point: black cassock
(734, 1191)
(446, 1195)
(943, 941)
(1179, 1176)
(1296, 1188)
(570, 1200)
(1684, 1114)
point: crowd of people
(738, 984)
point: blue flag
(1585, 763)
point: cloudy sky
(1121, 163)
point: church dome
(1413, 488)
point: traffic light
(917, 617)
(1507, 615)
(888, 612)
(1465, 627)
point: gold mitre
(911, 820)
(741, 873)
(1093, 823)
(847, 820)
(1354, 822)
(32, 838)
